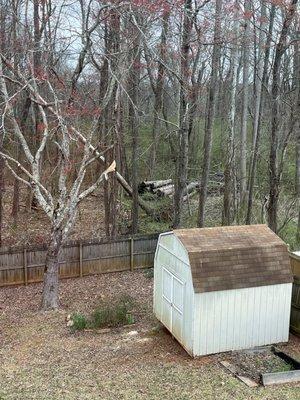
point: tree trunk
(262, 80)
(2, 163)
(244, 119)
(297, 128)
(16, 192)
(107, 135)
(2, 189)
(50, 299)
(229, 162)
(210, 113)
(274, 176)
(298, 174)
(133, 81)
(158, 95)
(183, 134)
(32, 202)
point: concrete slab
(276, 378)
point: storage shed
(224, 288)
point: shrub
(79, 322)
(108, 315)
(113, 315)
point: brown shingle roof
(233, 257)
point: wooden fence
(23, 265)
(295, 264)
(295, 310)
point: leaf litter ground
(41, 359)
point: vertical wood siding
(241, 318)
(172, 256)
(295, 312)
(295, 263)
(22, 265)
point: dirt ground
(41, 359)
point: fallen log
(191, 187)
(165, 190)
(158, 184)
(189, 195)
(151, 185)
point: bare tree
(245, 98)
(260, 88)
(210, 113)
(297, 125)
(158, 87)
(230, 150)
(61, 207)
(275, 173)
(133, 113)
(182, 155)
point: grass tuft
(107, 315)
(79, 322)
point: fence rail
(295, 310)
(23, 265)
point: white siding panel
(223, 331)
(286, 316)
(178, 291)
(255, 328)
(171, 256)
(241, 318)
(167, 285)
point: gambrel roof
(234, 257)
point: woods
(101, 97)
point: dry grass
(41, 359)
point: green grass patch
(79, 322)
(107, 315)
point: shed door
(173, 294)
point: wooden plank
(233, 369)
(247, 381)
(230, 367)
(25, 267)
(131, 254)
(276, 378)
(80, 261)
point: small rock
(132, 333)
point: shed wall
(171, 255)
(241, 318)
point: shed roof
(233, 257)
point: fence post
(25, 266)
(80, 260)
(131, 254)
